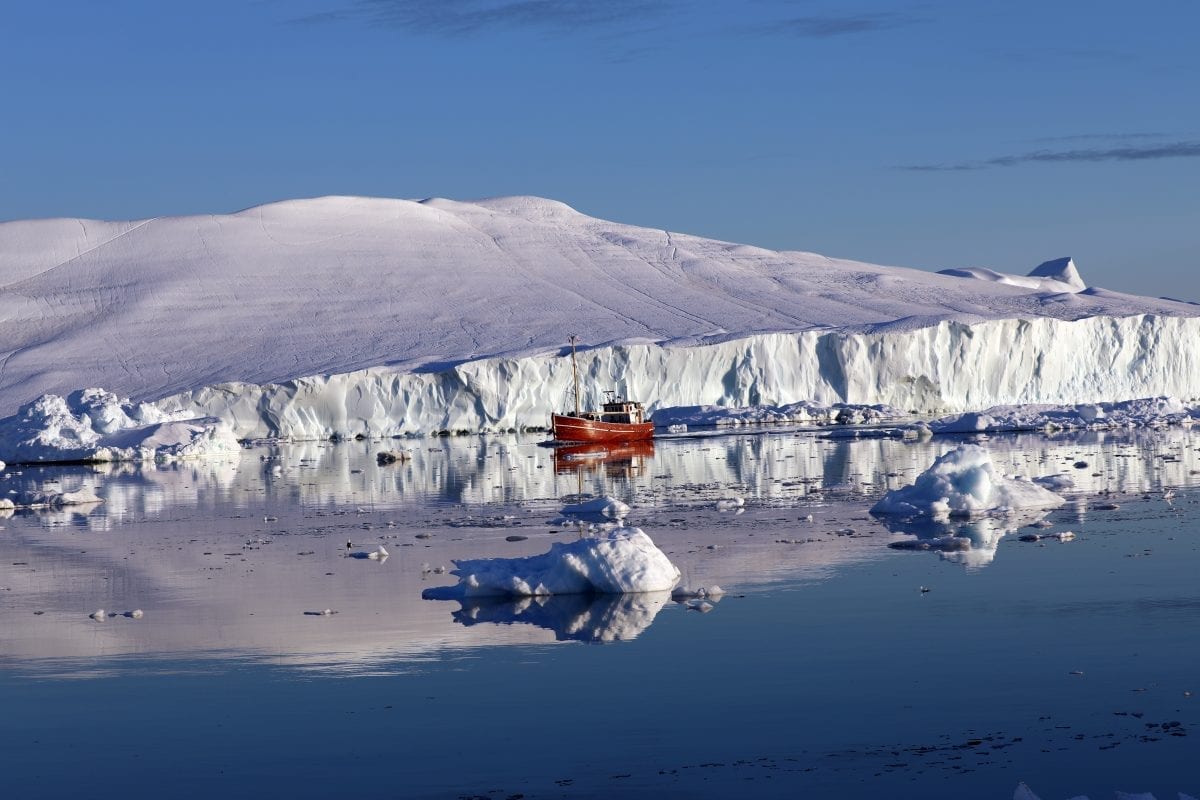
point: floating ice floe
(1062, 536)
(1145, 412)
(702, 593)
(95, 425)
(730, 503)
(378, 554)
(801, 412)
(964, 483)
(1056, 483)
(606, 507)
(621, 561)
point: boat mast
(575, 370)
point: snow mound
(964, 483)
(1051, 277)
(621, 561)
(95, 425)
(1062, 270)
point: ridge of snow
(1062, 270)
(1051, 277)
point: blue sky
(927, 134)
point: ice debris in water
(964, 483)
(730, 503)
(1144, 412)
(99, 615)
(96, 425)
(378, 554)
(1063, 536)
(683, 592)
(1056, 483)
(620, 561)
(608, 507)
(804, 411)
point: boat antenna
(574, 370)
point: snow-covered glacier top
(335, 284)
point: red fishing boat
(618, 420)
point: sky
(923, 134)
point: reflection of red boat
(619, 454)
(618, 420)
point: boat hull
(578, 429)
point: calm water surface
(824, 672)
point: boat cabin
(623, 411)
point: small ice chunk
(684, 592)
(1055, 483)
(137, 613)
(730, 503)
(380, 554)
(600, 506)
(99, 615)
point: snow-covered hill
(361, 310)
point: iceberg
(964, 483)
(620, 561)
(451, 316)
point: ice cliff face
(346, 316)
(940, 368)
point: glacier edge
(942, 368)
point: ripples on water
(825, 669)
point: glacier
(943, 368)
(375, 317)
